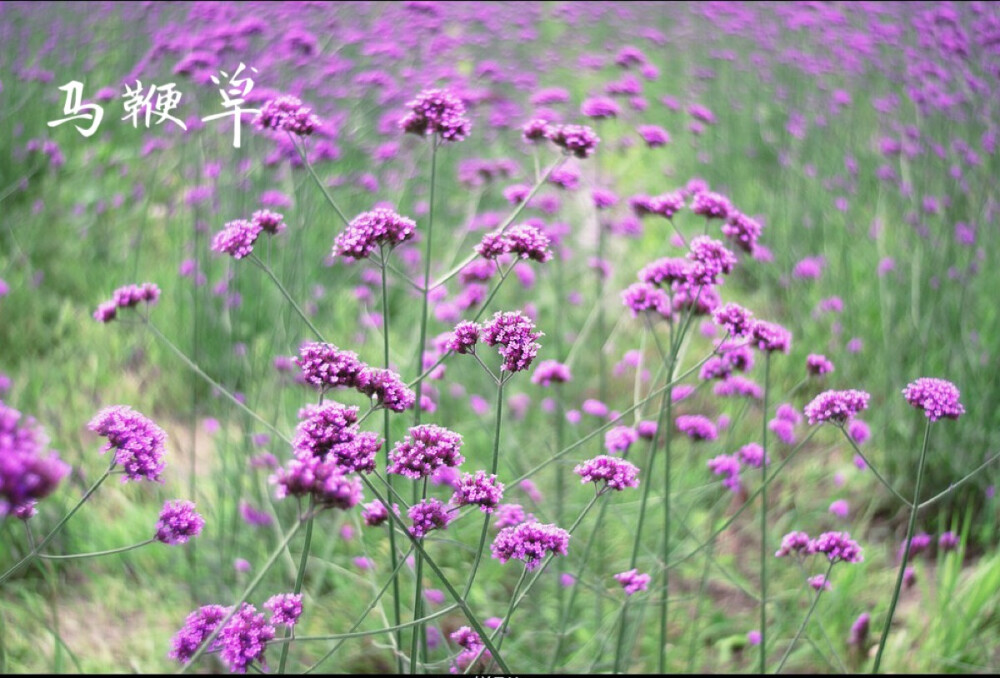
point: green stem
(805, 621)
(906, 551)
(299, 577)
(94, 554)
(361, 634)
(763, 523)
(666, 422)
(326, 194)
(270, 274)
(874, 470)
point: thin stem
(42, 544)
(299, 577)
(805, 621)
(94, 554)
(906, 551)
(763, 522)
(502, 631)
(270, 274)
(874, 470)
(954, 486)
(361, 634)
(246, 594)
(326, 194)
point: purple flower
(859, 431)
(809, 268)
(726, 465)
(178, 522)
(387, 388)
(28, 472)
(736, 320)
(524, 240)
(817, 364)
(753, 637)
(633, 581)
(426, 448)
(128, 296)
(287, 114)
(370, 230)
(936, 397)
(839, 508)
(837, 547)
(619, 439)
(738, 386)
(711, 205)
(529, 542)
(515, 334)
(578, 140)
(642, 297)
(137, 441)
(836, 406)
(329, 429)
(429, 514)
(859, 630)
(375, 513)
(771, 337)
(437, 111)
(535, 130)
(551, 372)
(321, 477)
(820, 582)
(508, 515)
(617, 474)
(286, 608)
(654, 136)
(464, 338)
(697, 427)
(243, 640)
(793, 542)
(253, 516)
(948, 541)
(595, 408)
(236, 238)
(742, 231)
(752, 455)
(198, 626)
(480, 490)
(709, 259)
(600, 108)
(326, 366)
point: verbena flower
(481, 490)
(752, 455)
(515, 335)
(859, 630)
(771, 337)
(818, 364)
(735, 319)
(464, 337)
(820, 582)
(323, 478)
(936, 397)
(837, 547)
(178, 522)
(387, 388)
(793, 542)
(642, 297)
(664, 272)
(437, 111)
(836, 406)
(198, 626)
(535, 130)
(286, 608)
(551, 372)
(578, 140)
(697, 427)
(600, 108)
(325, 366)
(948, 541)
(739, 386)
(742, 231)
(654, 136)
(530, 542)
(711, 205)
(709, 259)
(633, 581)
(619, 439)
(128, 296)
(28, 471)
(472, 646)
(425, 449)
(287, 114)
(137, 441)
(617, 474)
(429, 514)
(243, 640)
(236, 238)
(509, 515)
(375, 513)
(368, 231)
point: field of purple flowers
(430, 337)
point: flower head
(236, 238)
(429, 514)
(479, 489)
(709, 259)
(326, 366)
(617, 474)
(464, 338)
(28, 471)
(771, 337)
(697, 427)
(530, 542)
(137, 441)
(818, 364)
(936, 397)
(387, 388)
(633, 581)
(837, 547)
(286, 608)
(836, 406)
(619, 439)
(375, 513)
(515, 335)
(287, 114)
(578, 140)
(793, 542)
(198, 626)
(178, 522)
(437, 111)
(243, 640)
(551, 372)
(370, 230)
(736, 320)
(426, 448)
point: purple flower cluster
(437, 111)
(286, 608)
(427, 448)
(525, 241)
(287, 114)
(619, 439)
(479, 489)
(471, 644)
(665, 205)
(529, 542)
(515, 335)
(178, 522)
(936, 397)
(771, 337)
(817, 364)
(387, 388)
(243, 640)
(375, 513)
(665, 272)
(709, 259)
(329, 431)
(736, 320)
(617, 474)
(326, 366)
(137, 441)
(577, 140)
(600, 108)
(238, 237)
(321, 477)
(742, 231)
(793, 542)
(550, 372)
(752, 455)
(711, 205)
(464, 338)
(837, 547)
(859, 630)
(727, 466)
(697, 427)
(198, 626)
(27, 472)
(128, 296)
(633, 581)
(369, 231)
(836, 406)
(654, 136)
(642, 297)
(429, 514)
